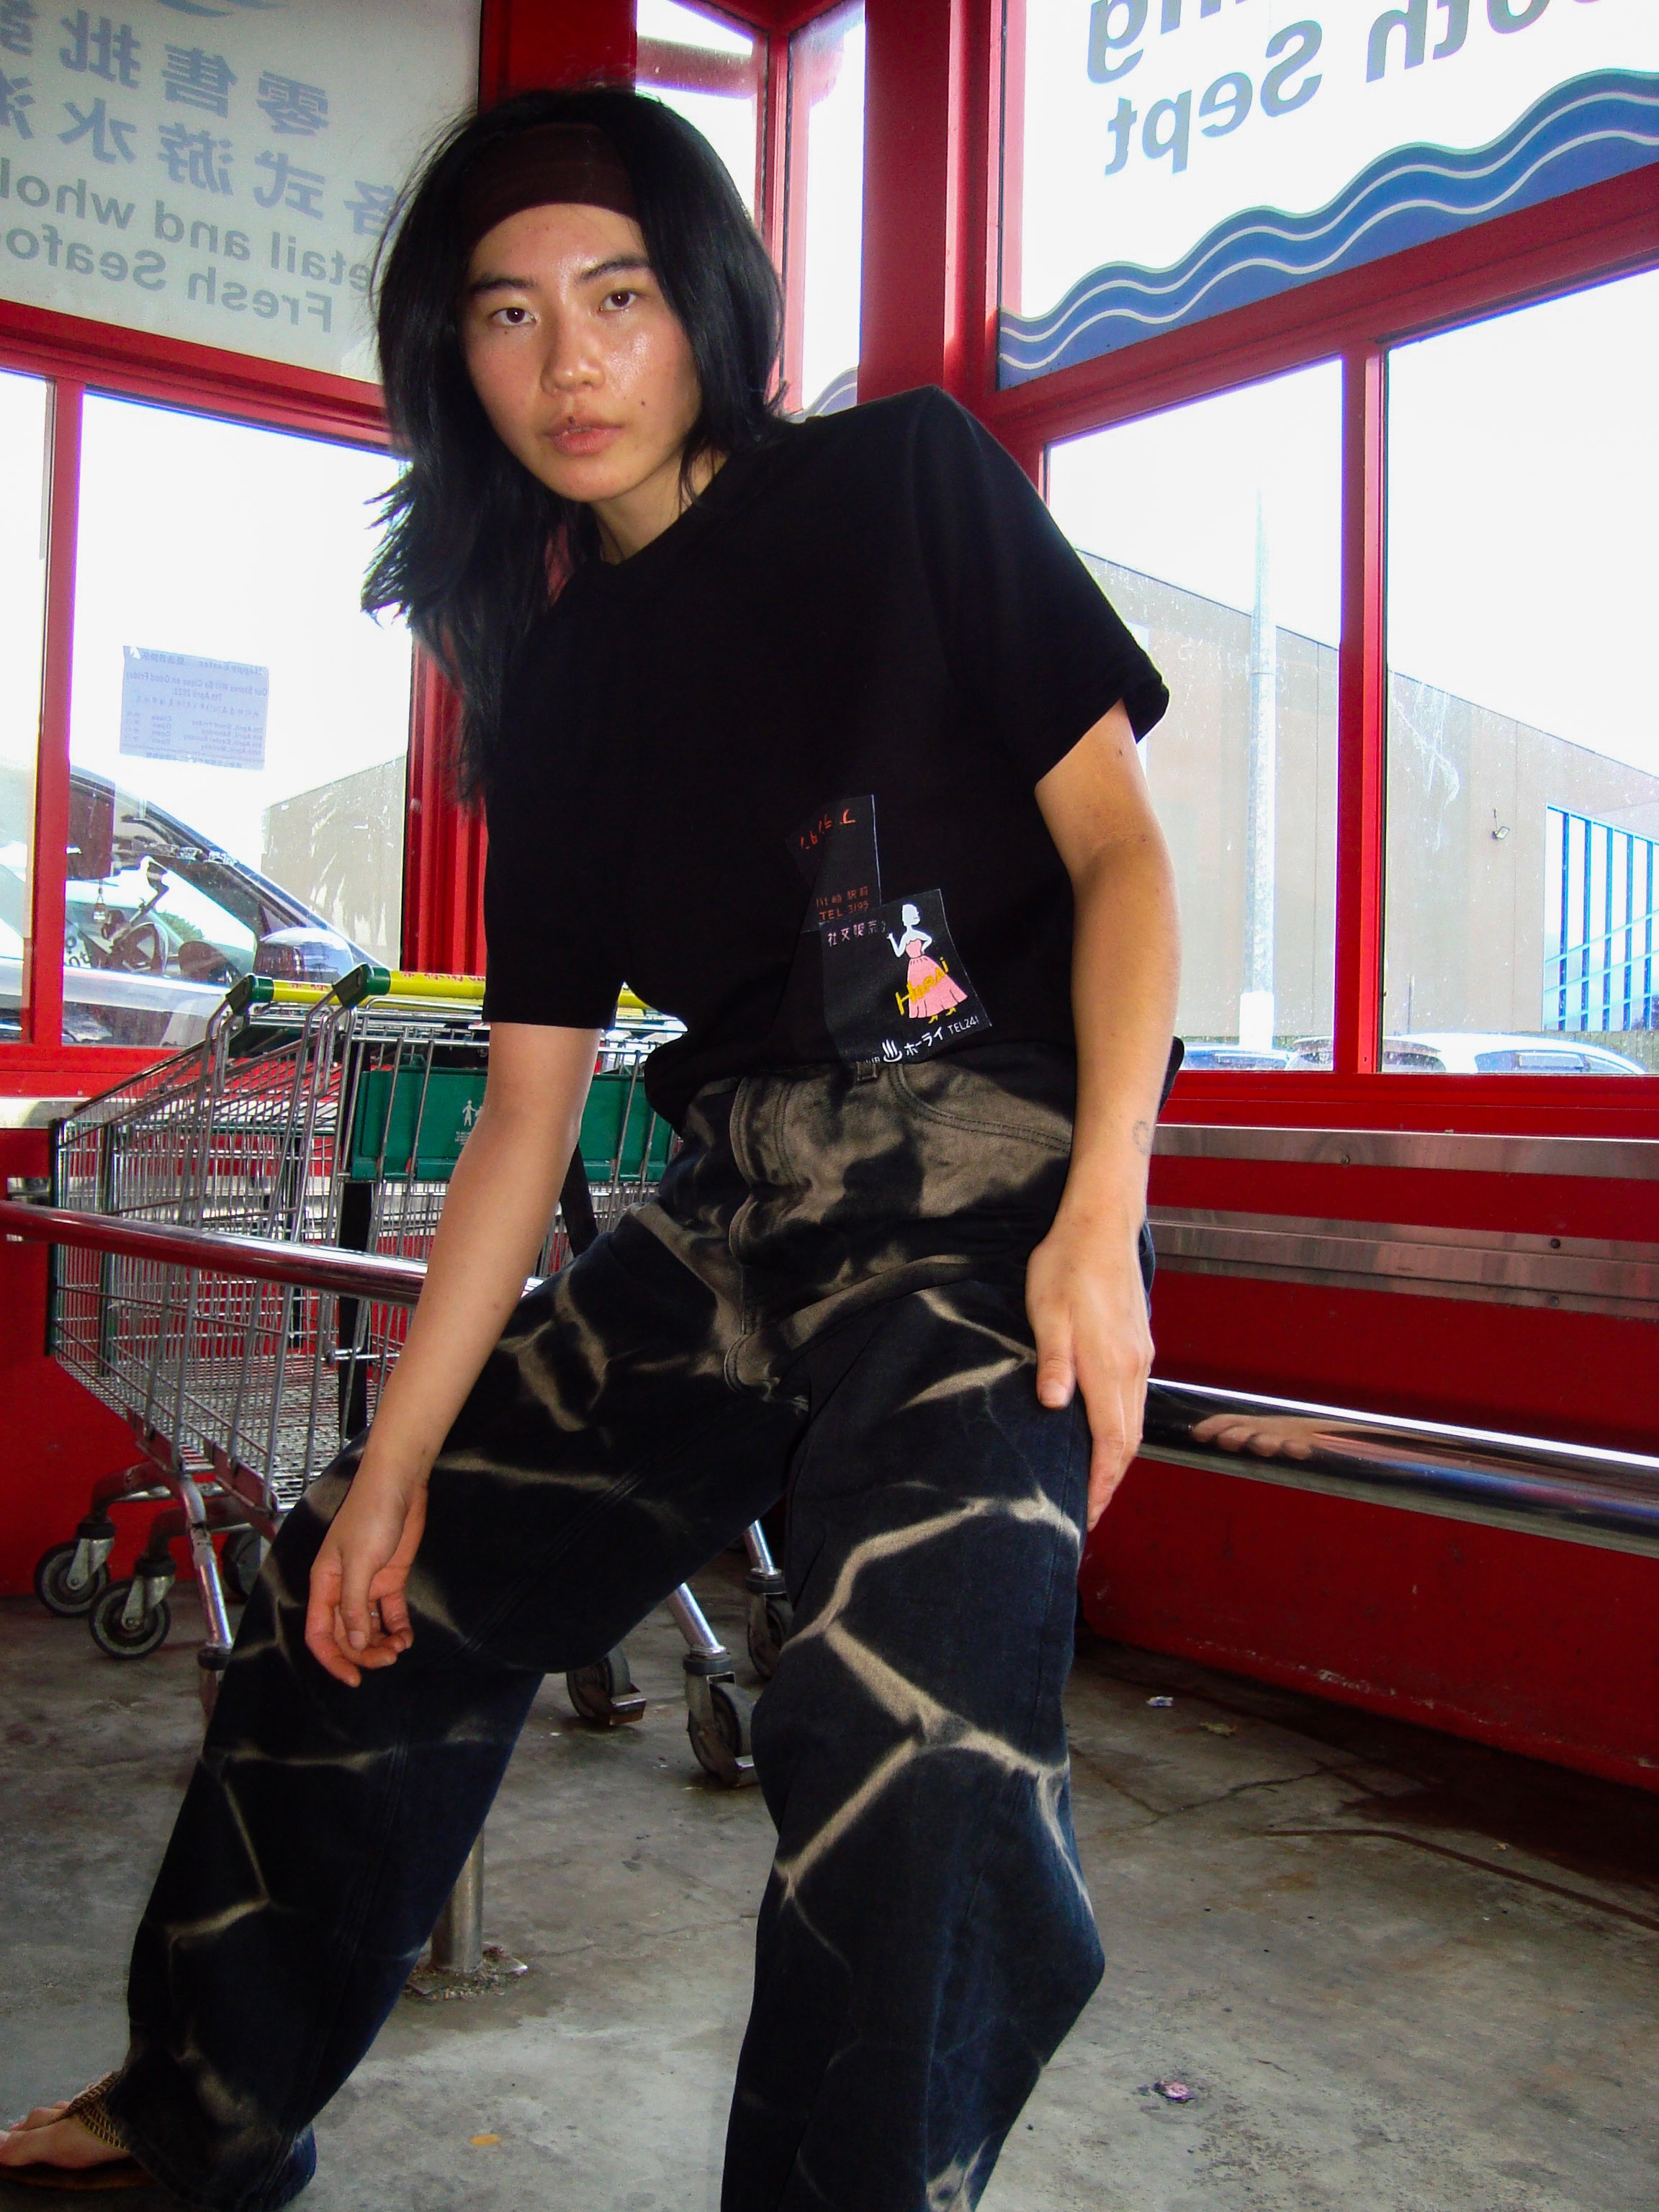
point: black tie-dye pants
(827, 1298)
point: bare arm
(494, 1218)
(1084, 1290)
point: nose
(569, 366)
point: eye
(623, 297)
(511, 318)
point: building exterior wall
(1466, 905)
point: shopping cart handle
(306, 1267)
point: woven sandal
(124, 2172)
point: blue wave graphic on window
(1596, 126)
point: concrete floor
(1399, 1974)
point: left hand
(1087, 1306)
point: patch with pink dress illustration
(895, 986)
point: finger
(1109, 1458)
(321, 1615)
(395, 1624)
(352, 1604)
(325, 1651)
(1056, 1372)
(324, 1593)
(1117, 1404)
(383, 1644)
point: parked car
(1478, 1052)
(159, 921)
(1483, 1052)
(1214, 1053)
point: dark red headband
(554, 163)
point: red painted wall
(58, 1439)
(1521, 1641)
(1541, 1646)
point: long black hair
(473, 541)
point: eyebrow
(620, 265)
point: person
(744, 700)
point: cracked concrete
(1398, 1973)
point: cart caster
(771, 1617)
(242, 1559)
(604, 1691)
(126, 1624)
(718, 1723)
(70, 1579)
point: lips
(576, 438)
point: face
(584, 373)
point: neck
(629, 522)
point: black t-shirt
(775, 771)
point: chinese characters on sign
(225, 180)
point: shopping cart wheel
(123, 1639)
(241, 1562)
(52, 1586)
(605, 1691)
(770, 1620)
(717, 1725)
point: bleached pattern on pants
(826, 1298)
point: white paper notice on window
(176, 706)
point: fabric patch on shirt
(836, 851)
(895, 988)
(894, 984)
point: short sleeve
(1029, 633)
(547, 959)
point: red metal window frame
(943, 79)
(74, 356)
(1606, 230)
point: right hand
(357, 1615)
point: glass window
(712, 71)
(220, 173)
(25, 416)
(1164, 161)
(238, 728)
(1215, 532)
(824, 228)
(1523, 735)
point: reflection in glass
(823, 236)
(713, 72)
(239, 728)
(1523, 738)
(1214, 530)
(24, 416)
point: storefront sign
(1185, 156)
(175, 706)
(219, 170)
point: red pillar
(531, 43)
(918, 132)
(1362, 718)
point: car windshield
(158, 921)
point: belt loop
(865, 1071)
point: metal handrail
(1583, 1492)
(307, 1266)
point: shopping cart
(329, 1121)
